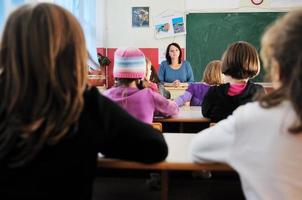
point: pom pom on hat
(129, 63)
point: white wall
(101, 16)
(119, 31)
(114, 27)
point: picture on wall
(178, 25)
(169, 26)
(140, 16)
(163, 29)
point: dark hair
(127, 81)
(240, 61)
(167, 53)
(43, 57)
(282, 53)
(154, 77)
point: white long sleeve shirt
(256, 143)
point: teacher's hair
(168, 58)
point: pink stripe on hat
(129, 63)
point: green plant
(103, 60)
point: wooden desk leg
(164, 185)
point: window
(85, 12)
(6, 6)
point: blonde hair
(212, 74)
(281, 43)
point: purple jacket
(142, 104)
(195, 94)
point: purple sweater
(142, 104)
(195, 94)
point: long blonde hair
(43, 62)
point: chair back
(158, 126)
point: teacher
(173, 70)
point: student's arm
(214, 144)
(190, 75)
(161, 72)
(181, 100)
(164, 106)
(187, 96)
(122, 136)
(163, 91)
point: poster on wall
(140, 16)
(170, 26)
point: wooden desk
(176, 91)
(176, 160)
(268, 86)
(189, 116)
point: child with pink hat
(129, 70)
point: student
(129, 70)
(51, 124)
(152, 81)
(196, 91)
(173, 70)
(240, 62)
(147, 82)
(262, 140)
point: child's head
(43, 55)
(212, 74)
(43, 59)
(43, 45)
(240, 61)
(282, 56)
(281, 50)
(151, 74)
(129, 65)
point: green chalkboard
(209, 34)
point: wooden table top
(177, 159)
(186, 114)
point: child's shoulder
(255, 86)
(164, 63)
(221, 89)
(198, 85)
(220, 86)
(186, 63)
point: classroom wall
(117, 30)
(114, 28)
(119, 27)
(114, 19)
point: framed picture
(170, 26)
(178, 25)
(140, 16)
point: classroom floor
(182, 186)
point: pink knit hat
(129, 63)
